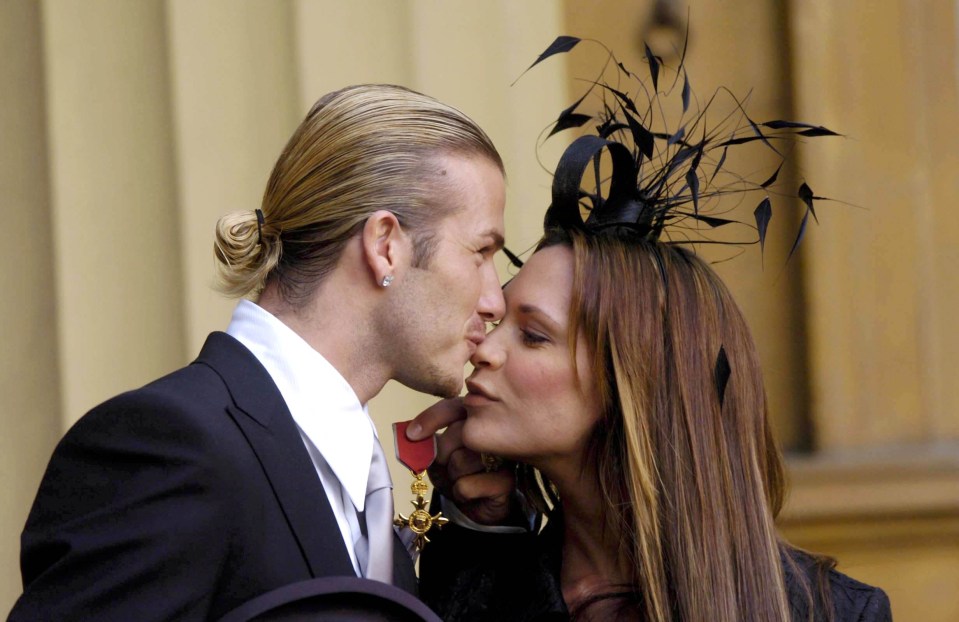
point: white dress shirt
(335, 427)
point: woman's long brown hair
(688, 468)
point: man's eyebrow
(496, 238)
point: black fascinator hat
(665, 181)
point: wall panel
(113, 189)
(29, 375)
(233, 95)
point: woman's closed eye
(532, 338)
(529, 337)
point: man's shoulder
(190, 388)
(194, 396)
(195, 385)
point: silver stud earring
(387, 280)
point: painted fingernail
(413, 431)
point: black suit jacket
(180, 501)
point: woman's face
(524, 400)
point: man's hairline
(425, 234)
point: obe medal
(417, 457)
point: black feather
(692, 180)
(763, 214)
(772, 178)
(721, 375)
(513, 259)
(654, 62)
(808, 129)
(799, 236)
(561, 44)
(660, 180)
(806, 194)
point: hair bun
(245, 253)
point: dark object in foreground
(333, 599)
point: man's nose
(491, 306)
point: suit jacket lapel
(404, 577)
(262, 415)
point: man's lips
(475, 341)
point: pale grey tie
(374, 550)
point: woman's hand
(458, 472)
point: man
(257, 466)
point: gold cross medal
(417, 457)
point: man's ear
(386, 247)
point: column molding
(29, 371)
(116, 238)
(234, 85)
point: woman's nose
(489, 353)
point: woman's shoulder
(471, 576)
(851, 600)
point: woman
(624, 381)
(664, 483)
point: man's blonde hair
(359, 150)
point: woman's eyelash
(528, 337)
(531, 338)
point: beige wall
(129, 127)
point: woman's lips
(477, 395)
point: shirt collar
(322, 402)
